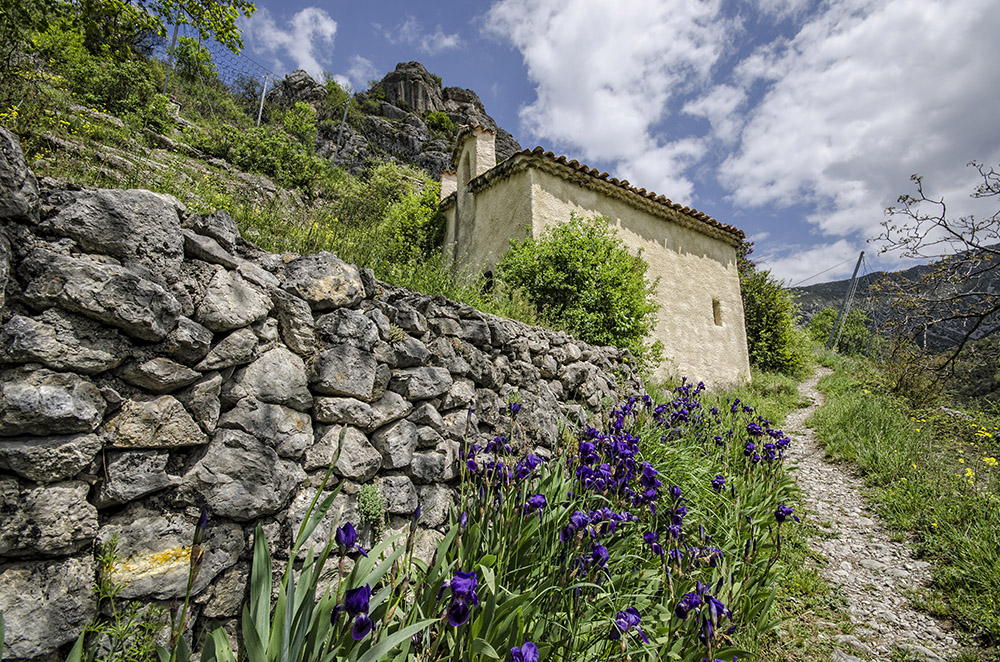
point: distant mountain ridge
(815, 298)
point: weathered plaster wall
(152, 362)
(700, 320)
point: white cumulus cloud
(605, 73)
(411, 32)
(864, 95)
(306, 39)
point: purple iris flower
(749, 448)
(347, 539)
(600, 555)
(514, 408)
(718, 483)
(626, 620)
(687, 602)
(463, 593)
(536, 502)
(652, 537)
(356, 605)
(463, 521)
(526, 652)
(782, 513)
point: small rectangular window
(717, 312)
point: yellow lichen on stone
(156, 563)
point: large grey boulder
(138, 227)
(287, 431)
(232, 302)
(133, 474)
(155, 552)
(45, 604)
(62, 341)
(48, 459)
(18, 186)
(159, 423)
(49, 520)
(103, 292)
(390, 407)
(278, 377)
(344, 370)
(188, 342)
(324, 280)
(241, 478)
(218, 225)
(343, 410)
(42, 402)
(398, 493)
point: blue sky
(796, 121)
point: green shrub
(439, 122)
(193, 61)
(300, 122)
(774, 342)
(855, 337)
(581, 276)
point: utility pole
(838, 326)
(260, 111)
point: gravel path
(874, 573)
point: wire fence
(208, 79)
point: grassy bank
(933, 475)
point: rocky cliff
(152, 362)
(392, 122)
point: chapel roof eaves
(573, 169)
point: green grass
(930, 474)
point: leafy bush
(192, 60)
(855, 337)
(581, 276)
(300, 123)
(439, 122)
(774, 342)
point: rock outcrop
(153, 363)
(394, 117)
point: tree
(581, 276)
(959, 290)
(774, 342)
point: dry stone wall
(152, 363)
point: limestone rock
(410, 319)
(427, 414)
(187, 343)
(62, 341)
(278, 377)
(45, 604)
(138, 227)
(218, 225)
(155, 552)
(421, 383)
(232, 302)
(461, 394)
(324, 280)
(18, 186)
(435, 504)
(343, 410)
(133, 474)
(48, 459)
(241, 478)
(347, 326)
(235, 349)
(399, 494)
(295, 321)
(436, 466)
(286, 430)
(410, 352)
(159, 375)
(42, 402)
(388, 408)
(396, 442)
(102, 292)
(344, 370)
(208, 250)
(50, 520)
(201, 399)
(6, 256)
(358, 461)
(159, 423)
